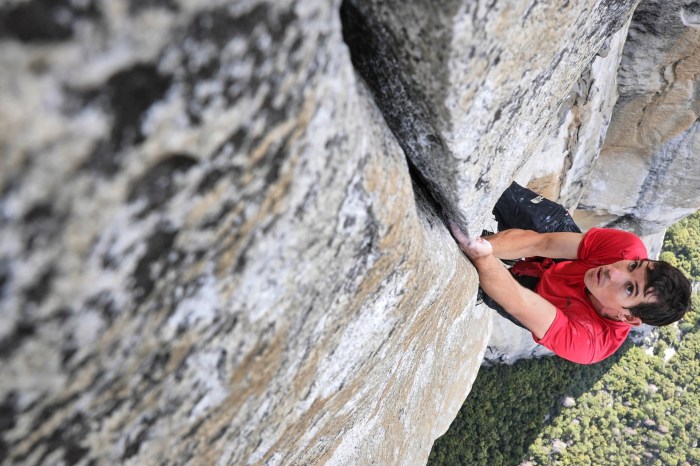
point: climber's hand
(476, 248)
(473, 248)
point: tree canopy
(682, 246)
(638, 407)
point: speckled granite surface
(219, 245)
(211, 251)
(648, 177)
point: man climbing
(581, 307)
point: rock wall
(565, 158)
(647, 177)
(221, 227)
(471, 89)
(212, 251)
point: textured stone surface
(472, 88)
(211, 249)
(219, 244)
(565, 159)
(509, 343)
(647, 176)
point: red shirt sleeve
(572, 340)
(601, 246)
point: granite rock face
(647, 177)
(221, 227)
(446, 88)
(566, 157)
(472, 89)
(212, 251)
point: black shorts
(522, 208)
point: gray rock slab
(221, 224)
(471, 88)
(563, 164)
(647, 175)
(212, 252)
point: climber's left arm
(533, 311)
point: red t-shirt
(578, 332)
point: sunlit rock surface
(221, 244)
(471, 89)
(565, 158)
(509, 343)
(212, 252)
(647, 176)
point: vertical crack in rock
(372, 51)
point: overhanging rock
(471, 89)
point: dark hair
(672, 290)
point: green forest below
(639, 407)
(682, 246)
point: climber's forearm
(533, 311)
(515, 243)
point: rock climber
(578, 294)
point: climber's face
(617, 287)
